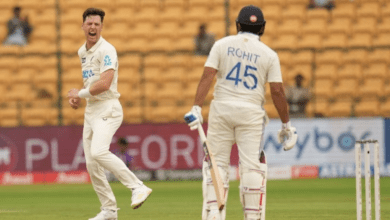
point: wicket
(367, 177)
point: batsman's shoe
(140, 194)
(106, 214)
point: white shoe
(213, 214)
(106, 214)
(140, 194)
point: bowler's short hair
(94, 11)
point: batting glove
(194, 117)
(287, 136)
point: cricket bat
(216, 178)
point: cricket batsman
(103, 116)
(243, 65)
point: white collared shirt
(244, 65)
(98, 59)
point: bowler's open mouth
(92, 34)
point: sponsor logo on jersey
(87, 74)
(83, 60)
(107, 61)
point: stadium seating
(343, 54)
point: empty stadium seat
(296, 11)
(130, 92)
(39, 116)
(344, 10)
(381, 40)
(286, 41)
(9, 117)
(326, 71)
(340, 25)
(350, 71)
(384, 109)
(156, 60)
(272, 11)
(358, 56)
(290, 26)
(317, 108)
(346, 88)
(371, 87)
(329, 56)
(335, 40)
(323, 88)
(318, 14)
(133, 114)
(315, 26)
(72, 116)
(341, 108)
(379, 56)
(376, 70)
(310, 41)
(369, 9)
(367, 108)
(170, 90)
(360, 40)
(365, 25)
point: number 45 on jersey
(236, 70)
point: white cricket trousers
(102, 119)
(236, 122)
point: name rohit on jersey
(237, 52)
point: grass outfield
(294, 199)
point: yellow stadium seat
(170, 90)
(290, 26)
(39, 116)
(329, 56)
(340, 25)
(130, 92)
(68, 62)
(316, 108)
(384, 109)
(350, 71)
(315, 26)
(358, 56)
(174, 3)
(217, 28)
(138, 44)
(346, 88)
(326, 71)
(202, 3)
(46, 32)
(198, 61)
(385, 10)
(73, 116)
(162, 114)
(384, 26)
(217, 14)
(379, 56)
(323, 89)
(179, 61)
(194, 74)
(318, 14)
(285, 57)
(270, 30)
(152, 74)
(272, 12)
(71, 77)
(365, 25)
(115, 30)
(286, 41)
(9, 117)
(189, 29)
(336, 40)
(127, 3)
(367, 108)
(73, 32)
(273, 2)
(147, 14)
(294, 12)
(72, 14)
(70, 47)
(341, 108)
(271, 110)
(197, 13)
(171, 14)
(156, 60)
(311, 41)
(344, 10)
(268, 40)
(40, 47)
(129, 61)
(151, 89)
(368, 9)
(360, 40)
(376, 70)
(160, 44)
(143, 30)
(46, 77)
(190, 90)
(68, 86)
(133, 114)
(372, 87)
(381, 40)
(20, 92)
(165, 29)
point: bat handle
(201, 133)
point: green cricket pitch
(318, 199)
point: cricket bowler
(103, 116)
(243, 65)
